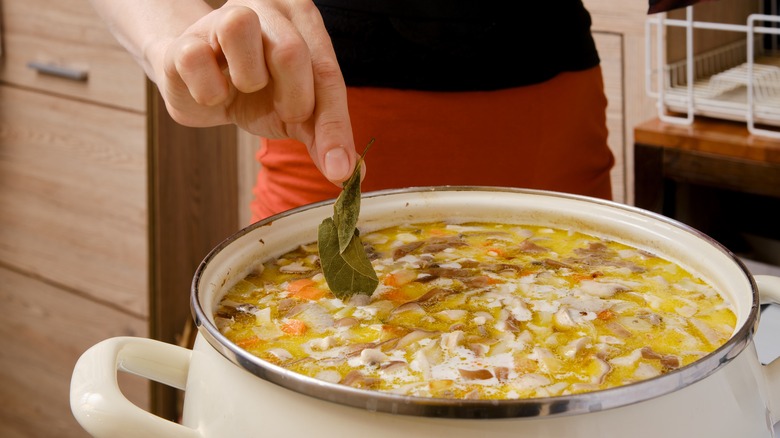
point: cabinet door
(73, 196)
(63, 47)
(44, 331)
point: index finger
(333, 145)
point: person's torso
(457, 45)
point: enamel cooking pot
(230, 393)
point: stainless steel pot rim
(575, 404)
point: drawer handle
(59, 71)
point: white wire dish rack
(739, 81)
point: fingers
(272, 69)
(264, 46)
(240, 39)
(333, 146)
(228, 38)
(288, 59)
(191, 61)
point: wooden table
(713, 175)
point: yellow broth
(481, 311)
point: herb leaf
(346, 266)
(346, 273)
(347, 206)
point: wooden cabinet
(74, 196)
(106, 208)
(67, 37)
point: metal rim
(450, 408)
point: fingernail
(337, 164)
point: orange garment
(550, 136)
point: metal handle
(51, 69)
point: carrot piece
(248, 342)
(583, 276)
(490, 280)
(390, 280)
(577, 277)
(605, 315)
(498, 251)
(294, 327)
(399, 278)
(296, 285)
(311, 293)
(305, 289)
(396, 295)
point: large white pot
(229, 393)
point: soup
(480, 311)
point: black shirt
(456, 45)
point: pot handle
(99, 405)
(769, 292)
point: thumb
(332, 146)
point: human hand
(269, 67)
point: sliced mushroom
(479, 350)
(708, 333)
(346, 322)
(547, 360)
(281, 354)
(627, 360)
(501, 373)
(563, 319)
(480, 374)
(392, 366)
(356, 379)
(433, 296)
(599, 369)
(635, 324)
(452, 340)
(670, 362)
(408, 307)
(405, 249)
(296, 268)
(573, 348)
(530, 381)
(415, 336)
(646, 371)
(601, 289)
(323, 344)
(528, 246)
(618, 329)
(649, 353)
(331, 376)
(554, 264)
(353, 350)
(372, 356)
(453, 314)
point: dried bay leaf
(349, 272)
(347, 206)
(346, 266)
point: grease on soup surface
(481, 311)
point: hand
(269, 67)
